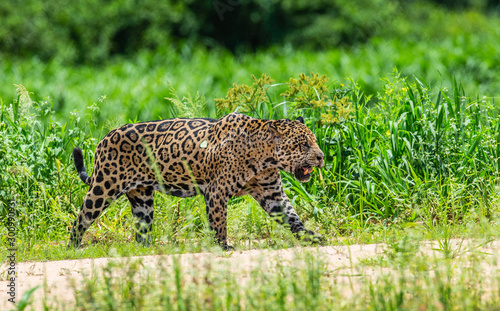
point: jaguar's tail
(80, 167)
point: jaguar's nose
(321, 156)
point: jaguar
(218, 158)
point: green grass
(411, 156)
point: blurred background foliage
(90, 31)
(136, 52)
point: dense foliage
(92, 30)
(418, 153)
(425, 41)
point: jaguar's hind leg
(96, 200)
(142, 200)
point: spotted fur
(219, 159)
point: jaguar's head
(296, 149)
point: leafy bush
(324, 24)
(37, 172)
(91, 31)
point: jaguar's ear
(300, 119)
(273, 130)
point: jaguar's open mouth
(303, 173)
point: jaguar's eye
(306, 146)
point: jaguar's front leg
(267, 189)
(216, 201)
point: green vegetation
(421, 40)
(415, 147)
(414, 156)
(91, 31)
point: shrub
(37, 172)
